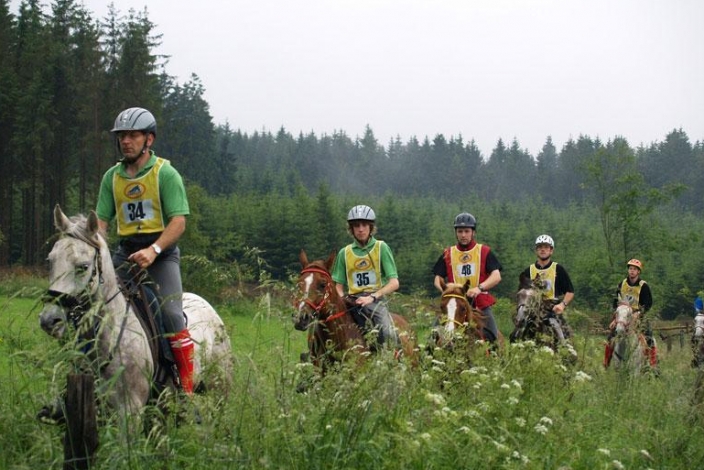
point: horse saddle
(146, 305)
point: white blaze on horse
(84, 292)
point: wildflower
(547, 350)
(304, 365)
(546, 420)
(499, 446)
(329, 426)
(617, 464)
(512, 401)
(437, 369)
(426, 436)
(606, 452)
(505, 386)
(582, 377)
(646, 454)
(464, 429)
(541, 429)
(472, 414)
(516, 384)
(520, 422)
(477, 386)
(435, 398)
(435, 362)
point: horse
(457, 319)
(629, 345)
(333, 334)
(535, 319)
(84, 291)
(698, 340)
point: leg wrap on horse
(183, 349)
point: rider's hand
(144, 257)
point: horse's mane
(453, 287)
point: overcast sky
(483, 69)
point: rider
(366, 268)
(636, 292)
(556, 282)
(473, 262)
(698, 332)
(147, 197)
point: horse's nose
(51, 323)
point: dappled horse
(534, 318)
(84, 293)
(333, 333)
(628, 344)
(698, 340)
(458, 321)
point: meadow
(524, 409)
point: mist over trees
(258, 198)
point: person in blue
(365, 273)
(698, 333)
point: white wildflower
(547, 350)
(329, 426)
(518, 345)
(516, 384)
(437, 369)
(304, 365)
(437, 363)
(617, 464)
(483, 407)
(512, 401)
(646, 454)
(541, 429)
(606, 452)
(500, 447)
(426, 436)
(546, 420)
(505, 386)
(582, 376)
(435, 398)
(472, 414)
(465, 430)
(520, 422)
(477, 386)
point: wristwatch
(157, 249)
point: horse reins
(328, 292)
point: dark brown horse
(458, 319)
(333, 333)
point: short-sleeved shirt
(366, 254)
(171, 190)
(562, 283)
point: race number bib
(365, 278)
(137, 211)
(465, 270)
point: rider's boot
(653, 356)
(608, 354)
(183, 350)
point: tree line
(258, 198)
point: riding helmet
(545, 239)
(636, 263)
(361, 212)
(465, 220)
(135, 119)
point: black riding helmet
(465, 220)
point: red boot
(608, 354)
(653, 355)
(183, 349)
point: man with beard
(146, 196)
(473, 262)
(555, 280)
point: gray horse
(83, 288)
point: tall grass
(524, 409)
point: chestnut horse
(458, 319)
(333, 333)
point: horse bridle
(318, 308)
(464, 299)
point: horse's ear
(330, 261)
(303, 258)
(92, 223)
(61, 222)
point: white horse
(629, 344)
(698, 340)
(83, 288)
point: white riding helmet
(544, 239)
(361, 212)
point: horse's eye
(81, 268)
(322, 285)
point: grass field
(525, 409)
